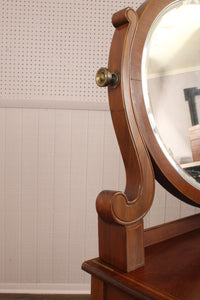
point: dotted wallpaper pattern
(51, 49)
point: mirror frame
(121, 214)
(169, 174)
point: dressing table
(144, 72)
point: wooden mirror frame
(120, 214)
(168, 175)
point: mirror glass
(171, 85)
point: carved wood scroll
(121, 213)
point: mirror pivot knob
(104, 77)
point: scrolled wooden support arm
(131, 206)
(122, 17)
(121, 213)
(114, 207)
(105, 205)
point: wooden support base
(97, 289)
(121, 246)
(171, 271)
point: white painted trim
(45, 288)
(54, 104)
(174, 72)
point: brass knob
(106, 78)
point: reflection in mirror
(171, 82)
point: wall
(57, 145)
(170, 107)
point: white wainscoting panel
(12, 195)
(29, 195)
(53, 165)
(57, 144)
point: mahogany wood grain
(174, 263)
(114, 293)
(121, 213)
(97, 289)
(131, 205)
(171, 271)
(170, 230)
(122, 246)
(171, 177)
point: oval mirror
(171, 76)
(169, 70)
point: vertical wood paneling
(186, 210)
(53, 165)
(157, 211)
(2, 194)
(13, 194)
(197, 210)
(61, 196)
(172, 208)
(94, 180)
(45, 203)
(29, 195)
(147, 220)
(78, 194)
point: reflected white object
(174, 44)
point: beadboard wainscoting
(57, 144)
(53, 165)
